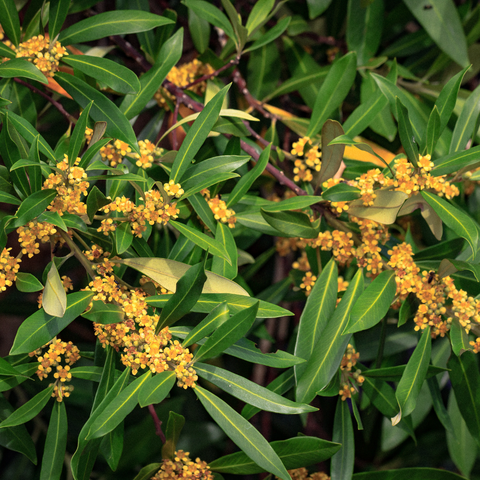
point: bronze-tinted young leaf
(242, 433)
(54, 296)
(156, 388)
(373, 304)
(332, 155)
(333, 91)
(296, 452)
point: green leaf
(227, 333)
(364, 29)
(393, 374)
(39, 328)
(103, 109)
(318, 310)
(406, 133)
(116, 76)
(54, 296)
(317, 7)
(439, 407)
(7, 370)
(373, 304)
(187, 292)
(111, 446)
(55, 443)
(208, 182)
(294, 203)
(443, 24)
(24, 372)
(341, 192)
(116, 410)
(291, 224)
(242, 433)
(412, 379)
(7, 198)
(199, 29)
(272, 34)
(174, 428)
(456, 161)
(151, 81)
(418, 473)
(19, 67)
(454, 218)
(236, 303)
(203, 241)
(329, 349)
(10, 21)
(296, 452)
(33, 206)
(95, 200)
(106, 24)
(249, 391)
(156, 388)
(220, 266)
(332, 155)
(56, 16)
(466, 122)
(212, 14)
(461, 445)
(123, 237)
(146, 473)
(459, 338)
(244, 184)
(465, 379)
(258, 15)
(78, 137)
(433, 130)
(104, 313)
(28, 410)
(197, 134)
(213, 320)
(26, 282)
(341, 466)
(333, 91)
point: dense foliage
(239, 238)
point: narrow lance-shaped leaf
(328, 351)
(33, 206)
(10, 21)
(291, 224)
(412, 379)
(333, 91)
(187, 292)
(174, 427)
(123, 237)
(197, 134)
(78, 136)
(105, 24)
(341, 467)
(54, 296)
(213, 320)
(242, 433)
(220, 266)
(19, 67)
(26, 282)
(56, 16)
(433, 130)
(318, 310)
(406, 133)
(55, 443)
(332, 155)
(249, 391)
(373, 303)
(156, 388)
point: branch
(233, 61)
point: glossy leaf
(146, 473)
(174, 428)
(456, 161)
(332, 155)
(433, 130)
(123, 237)
(117, 77)
(104, 313)
(39, 328)
(341, 467)
(328, 351)
(406, 133)
(333, 91)
(291, 224)
(294, 203)
(412, 379)
(26, 282)
(220, 266)
(342, 192)
(187, 291)
(54, 296)
(242, 433)
(56, 16)
(249, 391)
(373, 304)
(207, 183)
(105, 24)
(115, 411)
(7, 198)
(197, 134)
(213, 320)
(296, 452)
(156, 388)
(28, 410)
(319, 308)
(465, 379)
(18, 67)
(9, 20)
(102, 109)
(247, 180)
(270, 35)
(33, 206)
(442, 23)
(419, 473)
(55, 443)
(199, 30)
(259, 14)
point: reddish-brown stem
(131, 51)
(158, 423)
(56, 104)
(233, 61)
(175, 119)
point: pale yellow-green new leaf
(54, 296)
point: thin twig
(208, 76)
(158, 424)
(78, 254)
(57, 105)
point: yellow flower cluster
(182, 76)
(303, 167)
(308, 281)
(148, 151)
(58, 352)
(101, 262)
(153, 210)
(182, 467)
(8, 269)
(29, 236)
(349, 377)
(70, 184)
(302, 474)
(114, 153)
(135, 336)
(339, 243)
(173, 189)
(219, 209)
(39, 51)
